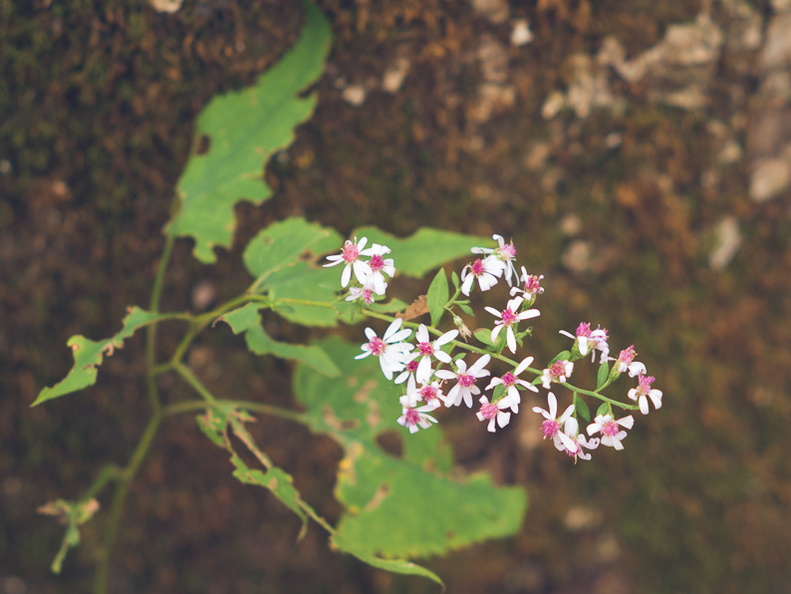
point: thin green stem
(188, 406)
(127, 475)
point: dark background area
(638, 153)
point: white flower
(511, 383)
(552, 423)
(393, 353)
(509, 317)
(428, 350)
(572, 441)
(502, 256)
(494, 412)
(379, 267)
(626, 362)
(486, 271)
(465, 378)
(643, 392)
(588, 341)
(428, 393)
(610, 429)
(350, 255)
(557, 372)
(414, 418)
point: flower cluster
(370, 274)
(436, 370)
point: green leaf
(218, 421)
(582, 407)
(437, 296)
(467, 309)
(89, 354)
(282, 259)
(247, 319)
(561, 356)
(425, 249)
(484, 335)
(602, 374)
(383, 494)
(244, 129)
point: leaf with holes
(244, 129)
(384, 493)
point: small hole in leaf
(204, 144)
(391, 443)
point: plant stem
(127, 475)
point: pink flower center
(426, 348)
(627, 355)
(644, 384)
(609, 428)
(489, 411)
(376, 346)
(507, 251)
(509, 379)
(412, 417)
(550, 428)
(376, 263)
(557, 369)
(411, 367)
(466, 380)
(350, 252)
(533, 285)
(584, 330)
(429, 393)
(477, 267)
(509, 317)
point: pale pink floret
(612, 432)
(393, 353)
(508, 318)
(643, 392)
(557, 372)
(553, 424)
(512, 383)
(465, 378)
(350, 257)
(416, 418)
(486, 272)
(494, 412)
(428, 350)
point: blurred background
(639, 154)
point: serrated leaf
(424, 250)
(437, 296)
(247, 319)
(582, 407)
(380, 492)
(89, 354)
(602, 374)
(245, 128)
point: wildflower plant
(415, 361)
